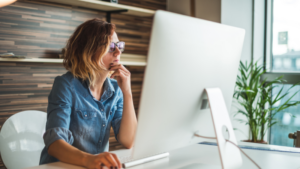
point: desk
(194, 156)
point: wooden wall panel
(37, 29)
(25, 86)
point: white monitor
(186, 55)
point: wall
(37, 29)
(208, 10)
(239, 14)
(249, 15)
(179, 6)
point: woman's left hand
(123, 77)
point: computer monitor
(186, 55)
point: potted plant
(258, 105)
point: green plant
(259, 106)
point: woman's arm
(65, 152)
(129, 121)
(58, 138)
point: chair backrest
(21, 139)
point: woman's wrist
(85, 159)
(127, 93)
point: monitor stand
(230, 155)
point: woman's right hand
(107, 159)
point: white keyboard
(127, 161)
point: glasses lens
(121, 46)
(112, 47)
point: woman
(84, 103)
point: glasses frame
(116, 46)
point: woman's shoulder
(114, 83)
(65, 79)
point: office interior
(37, 31)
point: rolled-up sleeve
(59, 112)
(116, 121)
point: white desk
(194, 156)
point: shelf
(106, 6)
(133, 60)
(44, 60)
(126, 59)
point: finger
(122, 75)
(124, 72)
(124, 68)
(112, 160)
(115, 67)
(116, 73)
(105, 162)
(120, 66)
(117, 160)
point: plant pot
(260, 142)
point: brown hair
(89, 38)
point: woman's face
(112, 58)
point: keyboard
(127, 161)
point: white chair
(21, 139)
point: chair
(21, 139)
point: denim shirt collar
(107, 87)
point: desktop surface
(204, 156)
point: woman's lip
(116, 60)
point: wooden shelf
(126, 59)
(45, 60)
(106, 6)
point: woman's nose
(117, 51)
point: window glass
(288, 120)
(286, 36)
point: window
(283, 58)
(286, 36)
(288, 120)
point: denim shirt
(75, 116)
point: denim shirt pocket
(87, 114)
(86, 121)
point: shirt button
(103, 125)
(85, 115)
(101, 109)
(100, 141)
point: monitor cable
(232, 144)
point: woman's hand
(98, 161)
(123, 77)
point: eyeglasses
(113, 45)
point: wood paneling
(37, 29)
(25, 86)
